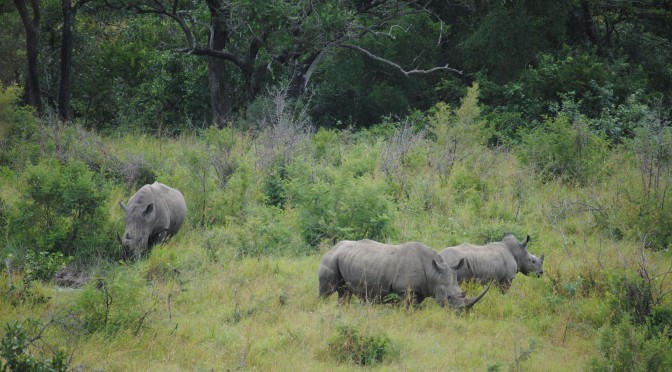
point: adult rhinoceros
(154, 213)
(372, 271)
(496, 261)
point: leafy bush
(336, 206)
(266, 231)
(348, 345)
(44, 265)
(111, 303)
(61, 211)
(458, 134)
(17, 129)
(564, 149)
(625, 347)
(17, 355)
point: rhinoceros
(372, 271)
(495, 262)
(153, 214)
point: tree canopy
(172, 64)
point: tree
(65, 86)
(31, 24)
(275, 38)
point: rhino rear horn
(472, 301)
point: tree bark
(217, 76)
(65, 88)
(32, 27)
(591, 29)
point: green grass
(236, 288)
(263, 313)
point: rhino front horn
(471, 301)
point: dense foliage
(153, 65)
(312, 122)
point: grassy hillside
(236, 288)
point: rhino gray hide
(496, 261)
(153, 214)
(372, 271)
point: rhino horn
(471, 301)
(122, 205)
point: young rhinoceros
(372, 271)
(154, 213)
(496, 261)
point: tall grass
(236, 288)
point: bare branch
(397, 66)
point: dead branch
(404, 72)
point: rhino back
(171, 207)
(489, 262)
(373, 269)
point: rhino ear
(461, 263)
(526, 242)
(122, 205)
(542, 258)
(148, 209)
(440, 265)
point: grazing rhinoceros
(496, 261)
(154, 213)
(372, 271)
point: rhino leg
(344, 295)
(504, 285)
(329, 281)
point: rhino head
(140, 218)
(446, 290)
(533, 266)
(528, 264)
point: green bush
(348, 345)
(336, 206)
(625, 347)
(111, 303)
(629, 295)
(564, 149)
(17, 130)
(266, 231)
(44, 265)
(61, 210)
(16, 354)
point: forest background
(290, 125)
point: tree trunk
(65, 88)
(217, 76)
(32, 27)
(591, 29)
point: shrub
(624, 347)
(44, 265)
(61, 211)
(629, 296)
(266, 231)
(17, 130)
(111, 303)
(458, 133)
(17, 355)
(336, 206)
(564, 149)
(348, 345)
